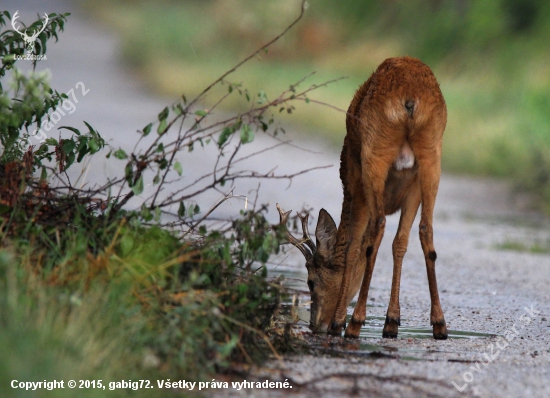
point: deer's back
(382, 105)
(400, 101)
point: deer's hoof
(391, 327)
(354, 328)
(440, 330)
(337, 327)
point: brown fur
(400, 104)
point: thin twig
(226, 197)
(258, 51)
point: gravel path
(483, 288)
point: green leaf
(8, 59)
(224, 136)
(120, 154)
(90, 129)
(94, 145)
(147, 129)
(68, 146)
(44, 174)
(83, 151)
(163, 163)
(76, 131)
(43, 38)
(178, 109)
(247, 135)
(162, 127)
(201, 113)
(129, 172)
(181, 210)
(164, 114)
(178, 168)
(193, 210)
(70, 159)
(138, 186)
(127, 243)
(146, 213)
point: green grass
(143, 305)
(535, 247)
(51, 332)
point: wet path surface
(496, 304)
(496, 300)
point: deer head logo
(29, 40)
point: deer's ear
(325, 234)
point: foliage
(90, 289)
(29, 102)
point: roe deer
(390, 161)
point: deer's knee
(425, 230)
(399, 247)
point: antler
(13, 19)
(306, 238)
(283, 218)
(35, 34)
(24, 34)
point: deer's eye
(310, 285)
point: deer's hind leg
(399, 248)
(429, 164)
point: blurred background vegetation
(490, 57)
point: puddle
(293, 279)
(371, 330)
(374, 325)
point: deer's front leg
(358, 226)
(374, 191)
(360, 312)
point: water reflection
(296, 281)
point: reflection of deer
(390, 161)
(29, 40)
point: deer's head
(29, 40)
(323, 278)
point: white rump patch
(405, 160)
(392, 112)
